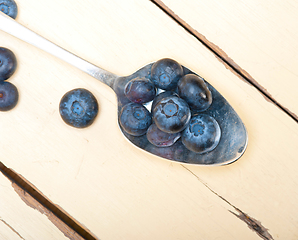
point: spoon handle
(10, 26)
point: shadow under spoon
(233, 139)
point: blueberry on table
(135, 119)
(165, 73)
(159, 138)
(140, 90)
(9, 7)
(9, 96)
(8, 63)
(78, 108)
(195, 92)
(202, 134)
(171, 114)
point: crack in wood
(35, 199)
(224, 58)
(252, 223)
(15, 231)
(31, 202)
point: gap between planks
(224, 58)
(35, 199)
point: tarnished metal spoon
(233, 139)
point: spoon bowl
(231, 146)
(233, 140)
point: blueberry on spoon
(171, 114)
(165, 73)
(159, 138)
(135, 119)
(160, 96)
(140, 90)
(195, 92)
(202, 134)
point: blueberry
(135, 119)
(160, 96)
(140, 90)
(9, 7)
(195, 92)
(78, 108)
(161, 139)
(9, 96)
(8, 63)
(167, 152)
(165, 73)
(171, 114)
(202, 134)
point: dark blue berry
(9, 7)
(161, 139)
(171, 114)
(161, 96)
(202, 134)
(140, 90)
(165, 73)
(135, 119)
(9, 96)
(167, 152)
(8, 63)
(195, 92)
(78, 108)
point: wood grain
(113, 188)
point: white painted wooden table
(117, 191)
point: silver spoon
(233, 139)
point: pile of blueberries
(8, 92)
(175, 97)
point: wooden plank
(258, 36)
(22, 217)
(114, 189)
